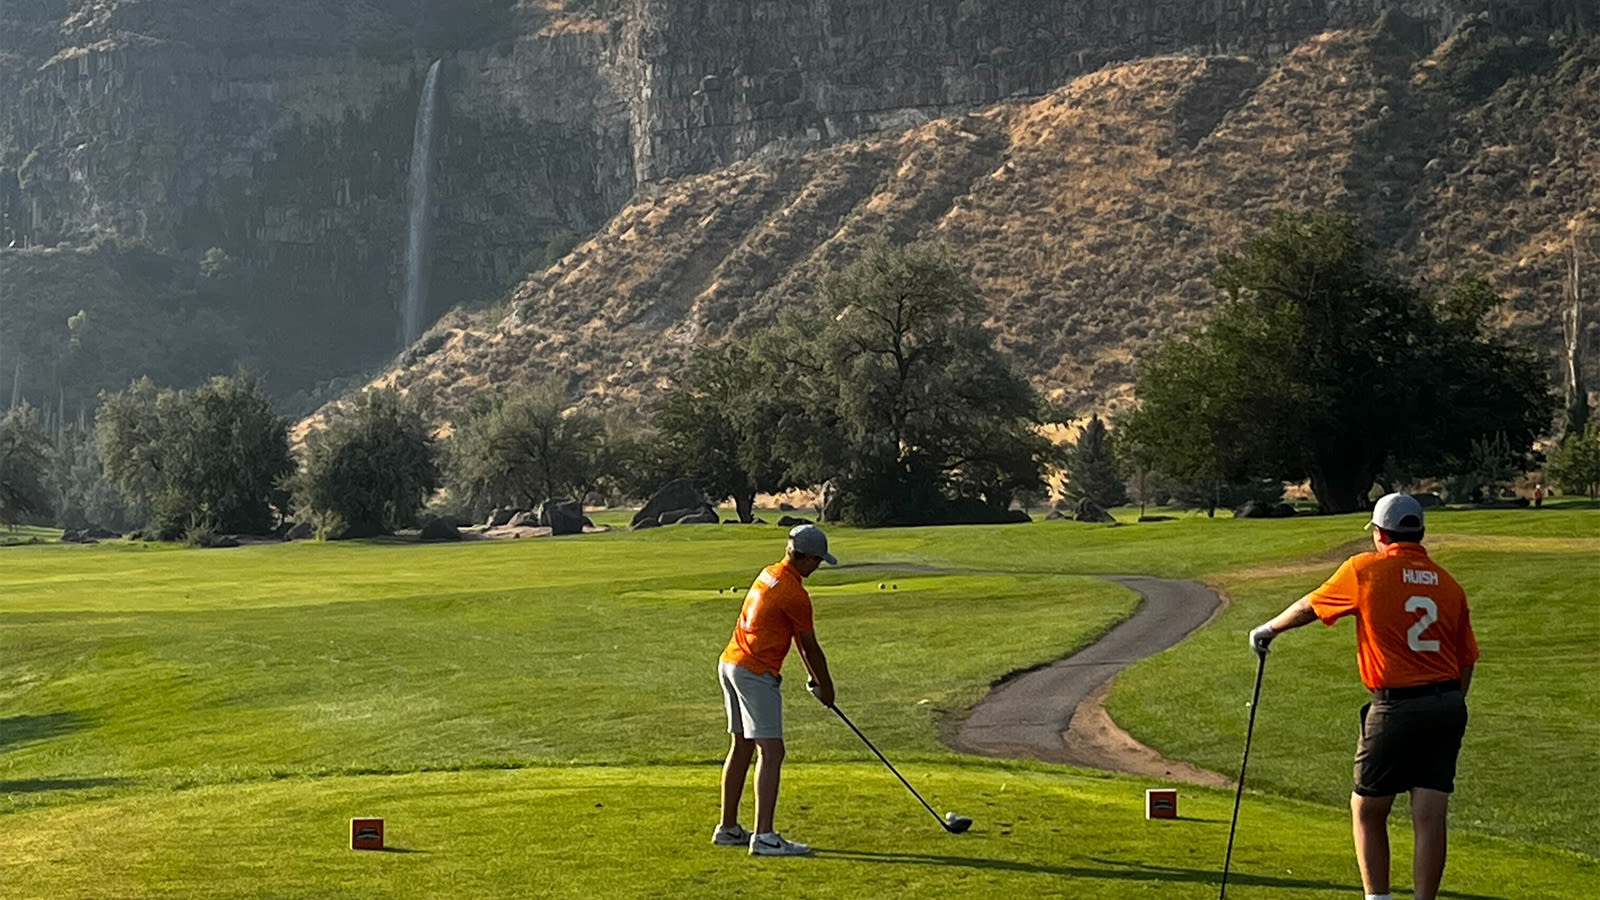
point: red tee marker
(366, 834)
(1161, 803)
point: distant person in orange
(1416, 651)
(776, 613)
(1538, 496)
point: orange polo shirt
(775, 610)
(1412, 624)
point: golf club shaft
(1238, 794)
(846, 720)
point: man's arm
(1466, 678)
(817, 664)
(1297, 614)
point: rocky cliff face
(279, 131)
(1092, 217)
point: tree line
(1319, 364)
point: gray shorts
(753, 702)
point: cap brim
(1369, 526)
(828, 558)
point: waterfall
(416, 298)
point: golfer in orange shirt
(1416, 651)
(776, 613)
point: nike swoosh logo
(766, 844)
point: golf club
(1238, 793)
(949, 821)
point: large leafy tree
(217, 455)
(24, 462)
(716, 426)
(1321, 365)
(372, 468)
(893, 387)
(524, 448)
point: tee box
(1161, 803)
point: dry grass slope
(1092, 217)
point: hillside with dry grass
(1091, 217)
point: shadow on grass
(40, 785)
(18, 730)
(1113, 871)
(400, 850)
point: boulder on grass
(527, 519)
(440, 529)
(680, 493)
(101, 534)
(707, 516)
(1253, 510)
(693, 515)
(1428, 501)
(792, 521)
(1283, 511)
(501, 515)
(300, 531)
(1054, 515)
(1090, 511)
(561, 516)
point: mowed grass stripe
(557, 675)
(644, 832)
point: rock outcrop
(278, 133)
(1093, 216)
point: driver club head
(956, 824)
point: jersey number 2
(1430, 615)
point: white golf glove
(1261, 637)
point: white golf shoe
(773, 844)
(736, 836)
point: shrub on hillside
(372, 468)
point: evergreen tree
(1092, 468)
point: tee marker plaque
(1161, 803)
(366, 834)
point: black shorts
(1410, 743)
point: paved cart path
(1056, 713)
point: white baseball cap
(810, 540)
(1399, 513)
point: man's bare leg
(1428, 814)
(733, 775)
(1369, 820)
(768, 770)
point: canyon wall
(279, 131)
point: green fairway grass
(179, 723)
(645, 832)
